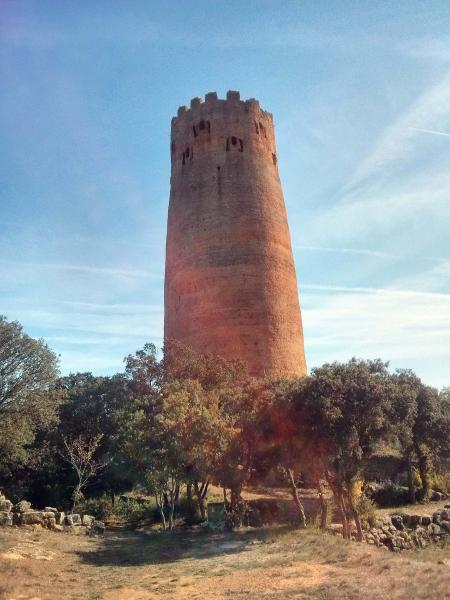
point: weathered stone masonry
(230, 285)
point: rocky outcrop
(408, 531)
(22, 514)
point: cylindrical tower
(230, 285)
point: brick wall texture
(230, 284)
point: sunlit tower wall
(230, 284)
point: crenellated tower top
(213, 125)
(212, 102)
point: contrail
(430, 131)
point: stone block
(5, 519)
(32, 517)
(22, 506)
(51, 509)
(73, 520)
(98, 527)
(5, 505)
(415, 520)
(87, 520)
(60, 518)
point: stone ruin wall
(230, 285)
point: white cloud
(397, 142)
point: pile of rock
(408, 531)
(51, 518)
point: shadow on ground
(134, 548)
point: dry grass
(275, 563)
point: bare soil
(198, 564)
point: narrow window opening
(187, 152)
(194, 129)
(234, 140)
(218, 167)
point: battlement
(212, 102)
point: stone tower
(230, 285)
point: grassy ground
(261, 564)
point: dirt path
(197, 565)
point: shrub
(390, 495)
(440, 482)
(135, 511)
(101, 507)
(366, 508)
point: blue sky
(360, 93)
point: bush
(101, 508)
(190, 512)
(440, 482)
(390, 495)
(132, 510)
(366, 508)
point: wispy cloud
(96, 270)
(363, 251)
(397, 141)
(429, 131)
(377, 291)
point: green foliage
(367, 511)
(440, 482)
(100, 507)
(390, 495)
(28, 400)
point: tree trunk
(424, 469)
(323, 508)
(295, 496)
(200, 500)
(113, 498)
(161, 512)
(356, 517)
(411, 490)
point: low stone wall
(408, 531)
(22, 513)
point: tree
(28, 399)
(406, 386)
(343, 410)
(80, 454)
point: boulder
(426, 520)
(51, 509)
(58, 528)
(22, 506)
(5, 519)
(98, 527)
(73, 520)
(5, 505)
(436, 496)
(32, 517)
(445, 526)
(445, 515)
(437, 518)
(60, 518)
(87, 520)
(397, 522)
(415, 520)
